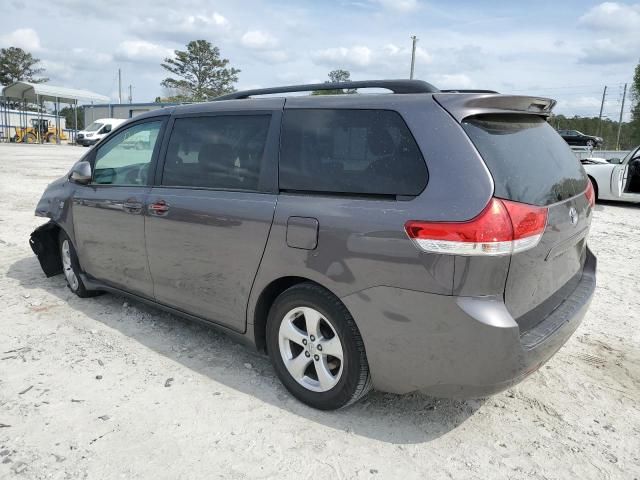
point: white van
(97, 131)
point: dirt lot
(107, 388)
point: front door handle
(159, 208)
(132, 206)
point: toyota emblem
(573, 215)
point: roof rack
(396, 86)
(468, 91)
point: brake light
(590, 194)
(502, 228)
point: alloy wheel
(311, 349)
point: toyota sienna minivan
(418, 240)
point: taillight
(502, 228)
(590, 194)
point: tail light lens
(590, 194)
(502, 228)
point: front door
(210, 213)
(108, 214)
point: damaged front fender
(44, 243)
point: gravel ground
(109, 388)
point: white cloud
(400, 5)
(57, 71)
(393, 51)
(613, 16)
(606, 51)
(358, 56)
(142, 51)
(87, 56)
(258, 39)
(25, 38)
(276, 56)
(182, 27)
(451, 81)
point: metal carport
(38, 93)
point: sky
(567, 50)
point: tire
(71, 267)
(30, 138)
(595, 188)
(591, 144)
(326, 382)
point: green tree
(338, 75)
(608, 129)
(634, 126)
(201, 73)
(17, 65)
(69, 117)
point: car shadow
(615, 203)
(396, 419)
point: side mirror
(106, 129)
(81, 173)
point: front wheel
(316, 348)
(71, 268)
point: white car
(97, 131)
(592, 160)
(616, 181)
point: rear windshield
(528, 160)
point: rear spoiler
(461, 106)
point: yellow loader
(40, 131)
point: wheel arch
(265, 301)
(595, 185)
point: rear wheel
(71, 268)
(53, 138)
(316, 348)
(30, 138)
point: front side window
(221, 152)
(361, 152)
(125, 158)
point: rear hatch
(530, 163)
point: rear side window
(528, 160)
(221, 152)
(351, 152)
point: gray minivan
(414, 240)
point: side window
(350, 151)
(223, 152)
(125, 158)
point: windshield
(528, 160)
(628, 156)
(94, 126)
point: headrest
(380, 142)
(216, 157)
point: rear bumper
(459, 346)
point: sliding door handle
(158, 208)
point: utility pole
(604, 94)
(414, 39)
(624, 96)
(130, 94)
(119, 86)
